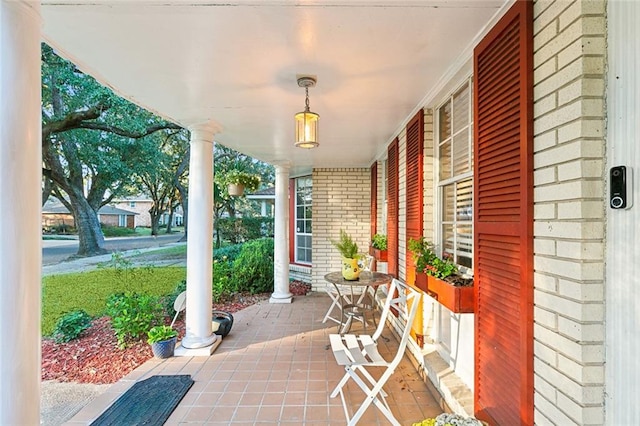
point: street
(55, 251)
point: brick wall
(341, 200)
(569, 66)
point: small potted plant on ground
(349, 251)
(162, 339)
(378, 248)
(238, 181)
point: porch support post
(281, 293)
(20, 212)
(199, 332)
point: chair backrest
(405, 301)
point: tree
(226, 160)
(90, 144)
(165, 154)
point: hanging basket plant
(238, 181)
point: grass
(89, 290)
(170, 252)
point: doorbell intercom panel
(620, 187)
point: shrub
(239, 229)
(71, 325)
(222, 287)
(132, 315)
(116, 231)
(170, 299)
(228, 253)
(253, 269)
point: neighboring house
(141, 206)
(266, 198)
(55, 214)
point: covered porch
(275, 368)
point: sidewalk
(91, 263)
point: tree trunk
(170, 219)
(155, 220)
(90, 237)
(185, 209)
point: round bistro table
(365, 281)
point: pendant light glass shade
(307, 129)
(306, 121)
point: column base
(281, 298)
(206, 351)
(194, 342)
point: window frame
(296, 259)
(440, 184)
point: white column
(281, 293)
(200, 241)
(20, 213)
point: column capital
(282, 164)
(204, 130)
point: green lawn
(89, 290)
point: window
(303, 220)
(455, 178)
(122, 221)
(132, 203)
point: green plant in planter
(249, 181)
(160, 333)
(427, 261)
(423, 253)
(379, 242)
(346, 246)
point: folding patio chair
(358, 353)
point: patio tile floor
(275, 368)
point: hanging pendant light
(307, 121)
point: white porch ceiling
(234, 63)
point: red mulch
(96, 358)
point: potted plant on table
(440, 278)
(238, 181)
(162, 339)
(349, 251)
(378, 247)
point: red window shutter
(392, 208)
(415, 185)
(374, 199)
(292, 220)
(503, 220)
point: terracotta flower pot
(235, 189)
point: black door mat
(148, 402)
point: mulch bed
(96, 358)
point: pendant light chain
(306, 101)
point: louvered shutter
(374, 199)
(414, 198)
(392, 208)
(503, 220)
(415, 185)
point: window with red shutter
(503, 220)
(374, 199)
(392, 208)
(415, 185)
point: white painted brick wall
(569, 61)
(341, 200)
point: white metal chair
(357, 353)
